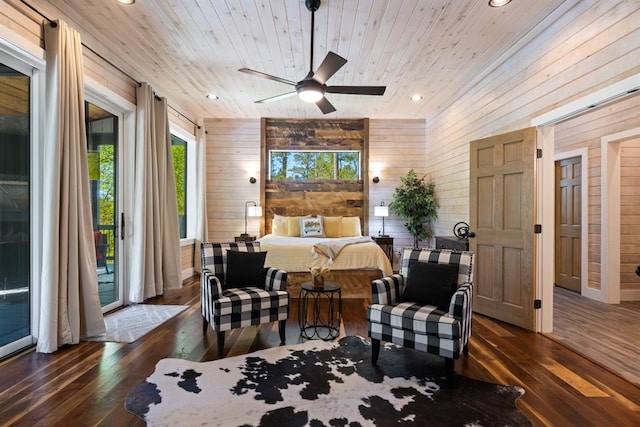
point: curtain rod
(52, 22)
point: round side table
(319, 323)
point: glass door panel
(102, 154)
(15, 239)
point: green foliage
(314, 165)
(414, 200)
(106, 195)
(179, 163)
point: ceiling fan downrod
(312, 6)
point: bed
(299, 243)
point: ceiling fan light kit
(313, 87)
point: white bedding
(294, 254)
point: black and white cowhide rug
(320, 384)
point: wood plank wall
(587, 130)
(395, 147)
(334, 198)
(233, 156)
(582, 47)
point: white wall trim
(545, 241)
(610, 216)
(583, 153)
(598, 98)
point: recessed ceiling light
(499, 3)
(127, 1)
(212, 96)
(416, 98)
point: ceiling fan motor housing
(309, 85)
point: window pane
(314, 165)
(102, 149)
(14, 206)
(179, 150)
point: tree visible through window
(179, 150)
(314, 165)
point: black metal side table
(319, 323)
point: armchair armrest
(388, 289)
(275, 280)
(461, 308)
(210, 286)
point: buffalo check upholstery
(423, 327)
(231, 308)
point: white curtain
(70, 306)
(155, 257)
(202, 228)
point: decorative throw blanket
(332, 248)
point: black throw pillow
(431, 284)
(244, 269)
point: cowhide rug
(320, 384)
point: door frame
(546, 178)
(583, 154)
(103, 97)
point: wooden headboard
(328, 198)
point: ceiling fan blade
(325, 106)
(267, 76)
(276, 98)
(357, 90)
(330, 65)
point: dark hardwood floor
(86, 384)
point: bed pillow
(350, 226)
(244, 269)
(279, 225)
(431, 284)
(293, 226)
(311, 227)
(332, 226)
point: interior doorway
(568, 223)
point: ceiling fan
(313, 87)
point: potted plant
(414, 200)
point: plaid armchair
(423, 327)
(232, 308)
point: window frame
(33, 66)
(190, 180)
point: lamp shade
(254, 210)
(381, 211)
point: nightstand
(386, 243)
(242, 238)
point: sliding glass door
(15, 218)
(102, 153)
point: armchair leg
(465, 350)
(449, 368)
(220, 343)
(375, 350)
(282, 328)
(205, 325)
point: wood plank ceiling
(188, 48)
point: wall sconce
(376, 179)
(252, 180)
(382, 211)
(253, 210)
